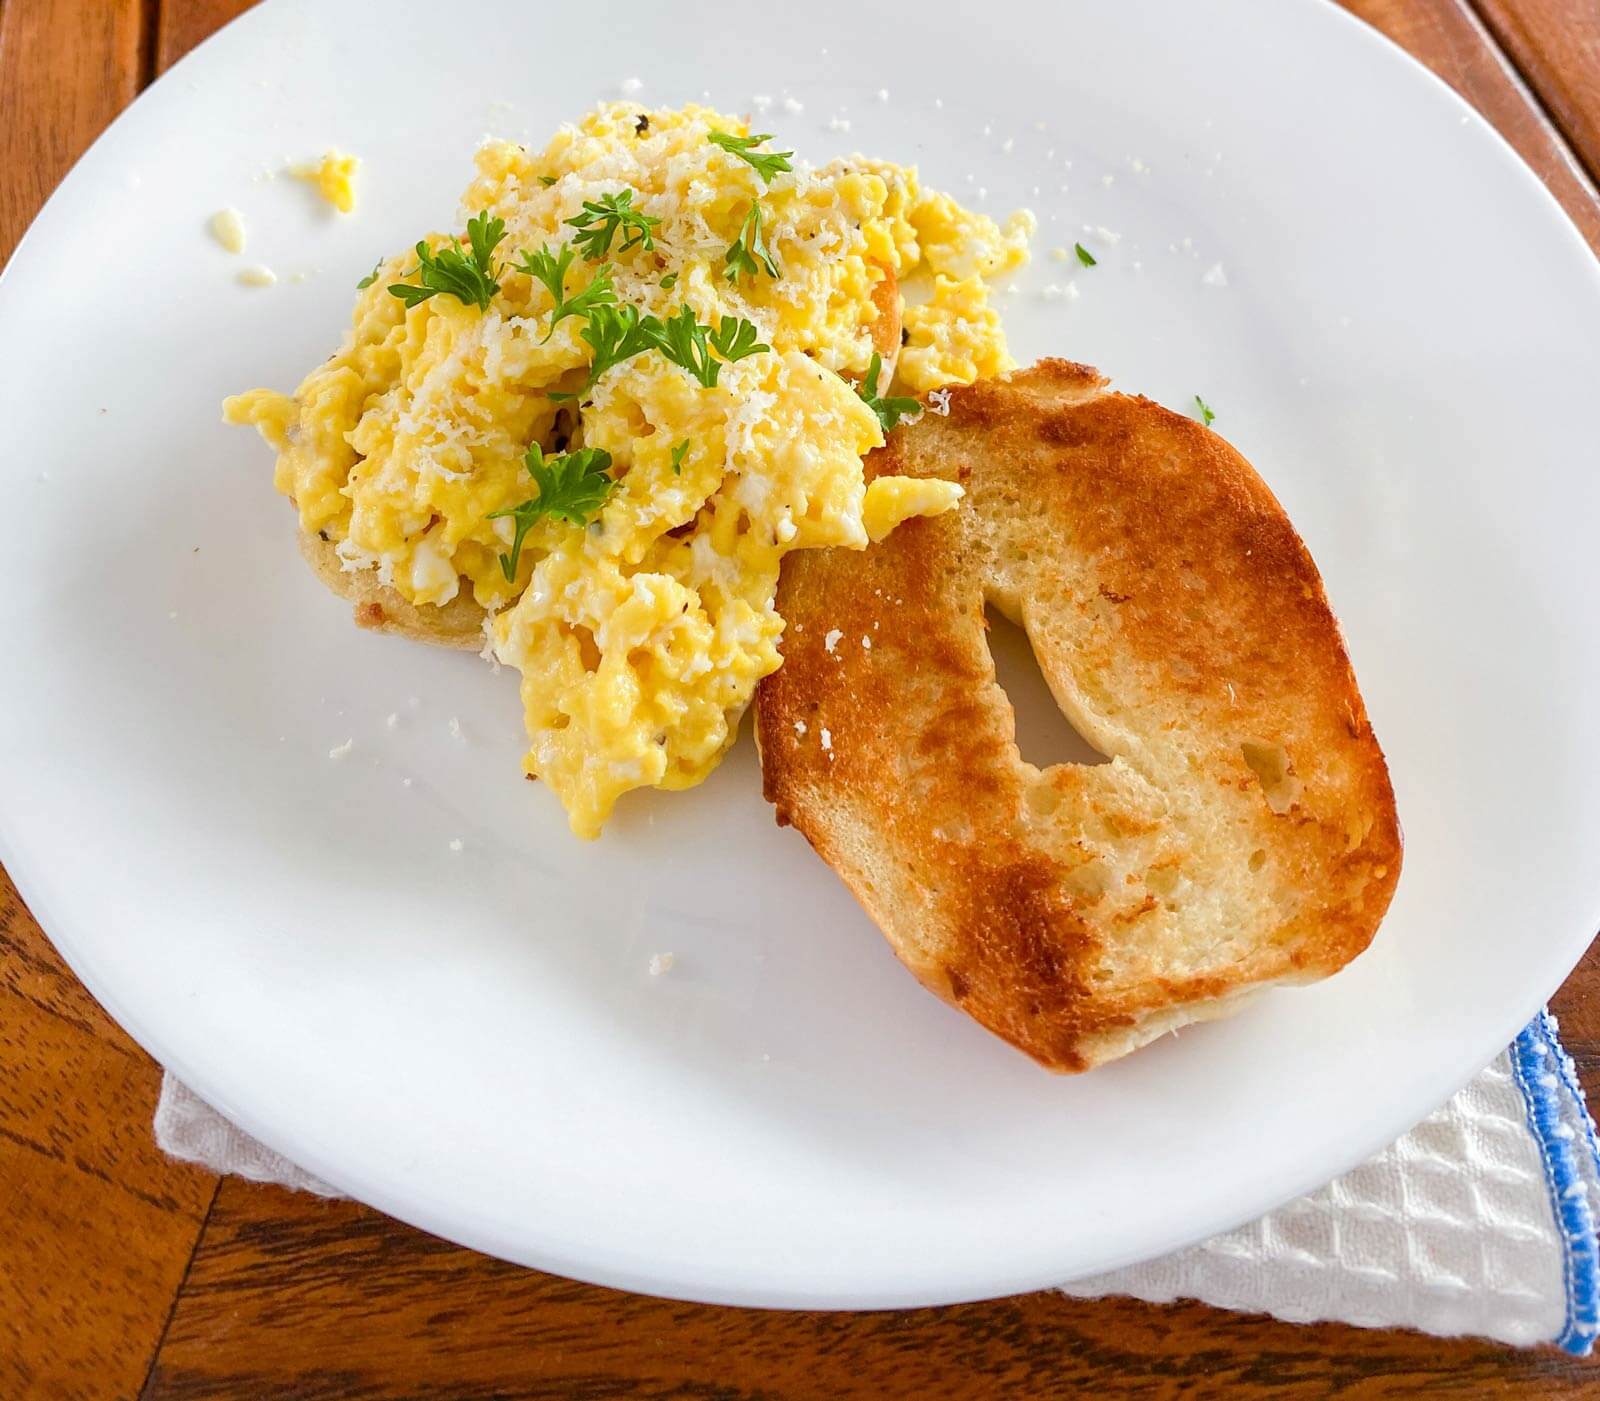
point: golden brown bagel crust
(458, 623)
(1245, 832)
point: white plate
(1407, 344)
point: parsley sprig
(604, 218)
(749, 254)
(573, 486)
(889, 411)
(371, 277)
(617, 333)
(1085, 257)
(677, 457)
(766, 164)
(470, 280)
(735, 338)
(550, 268)
(687, 343)
(684, 341)
(1206, 416)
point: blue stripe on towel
(1544, 1074)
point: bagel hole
(1044, 735)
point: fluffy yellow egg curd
(650, 370)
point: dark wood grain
(185, 23)
(67, 67)
(1556, 43)
(294, 1296)
(289, 1296)
(99, 1226)
(1449, 38)
(32, 969)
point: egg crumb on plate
(227, 227)
(649, 371)
(335, 178)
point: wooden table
(122, 1274)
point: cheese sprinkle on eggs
(649, 370)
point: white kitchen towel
(1481, 1220)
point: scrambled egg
(227, 227)
(335, 178)
(641, 634)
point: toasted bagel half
(1244, 831)
(458, 623)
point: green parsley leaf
(547, 180)
(371, 277)
(669, 281)
(735, 338)
(618, 333)
(602, 219)
(1206, 416)
(551, 269)
(889, 411)
(484, 234)
(1085, 257)
(766, 164)
(573, 486)
(748, 254)
(471, 281)
(684, 341)
(677, 457)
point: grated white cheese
(799, 727)
(832, 639)
(838, 124)
(761, 101)
(939, 403)
(661, 963)
(1215, 277)
(258, 276)
(456, 843)
(340, 750)
(1060, 292)
(393, 722)
(827, 740)
(793, 107)
(630, 86)
(866, 642)
(455, 728)
(883, 94)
